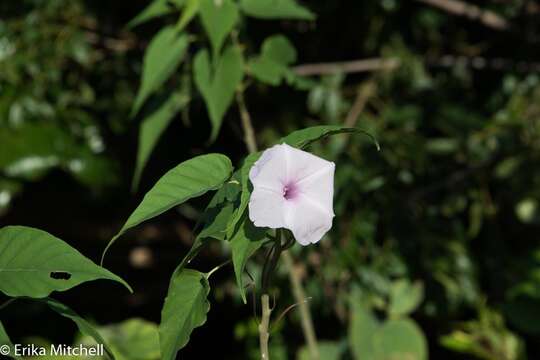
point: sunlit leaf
(191, 9)
(362, 327)
(155, 9)
(153, 126)
(401, 340)
(187, 180)
(328, 350)
(271, 66)
(218, 85)
(276, 9)
(132, 339)
(405, 297)
(185, 308)
(34, 263)
(163, 55)
(304, 137)
(218, 19)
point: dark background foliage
(451, 200)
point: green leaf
(276, 9)
(271, 66)
(328, 350)
(218, 85)
(152, 127)
(245, 194)
(84, 326)
(155, 9)
(218, 19)
(400, 340)
(187, 180)
(305, 137)
(405, 297)
(132, 339)
(34, 263)
(362, 327)
(162, 57)
(191, 9)
(245, 242)
(185, 308)
(4, 340)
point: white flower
(293, 189)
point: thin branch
(364, 93)
(355, 66)
(305, 315)
(486, 17)
(247, 126)
(447, 61)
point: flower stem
(264, 335)
(294, 276)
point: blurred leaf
(132, 339)
(153, 125)
(187, 180)
(276, 9)
(218, 19)
(4, 340)
(245, 242)
(191, 9)
(442, 146)
(162, 57)
(185, 309)
(84, 326)
(362, 327)
(218, 85)
(405, 297)
(526, 210)
(34, 263)
(400, 340)
(271, 66)
(155, 9)
(328, 350)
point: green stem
(264, 335)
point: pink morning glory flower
(293, 189)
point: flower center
(290, 191)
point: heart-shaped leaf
(153, 126)
(304, 137)
(185, 309)
(162, 57)
(187, 180)
(271, 66)
(276, 9)
(34, 263)
(218, 19)
(218, 85)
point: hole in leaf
(60, 275)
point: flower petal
(270, 171)
(307, 220)
(319, 187)
(301, 164)
(266, 208)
